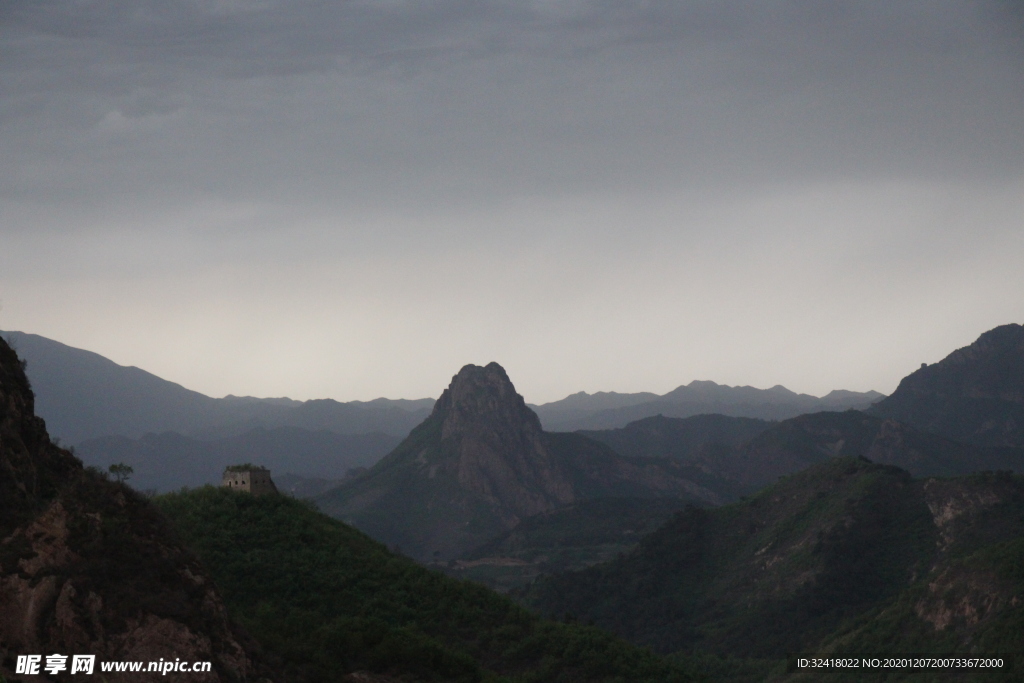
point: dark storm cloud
(403, 101)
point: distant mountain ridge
(609, 410)
(735, 456)
(83, 395)
(481, 463)
(974, 395)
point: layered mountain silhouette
(88, 566)
(737, 456)
(684, 439)
(608, 410)
(974, 395)
(83, 395)
(481, 463)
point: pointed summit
(479, 465)
(498, 445)
(481, 396)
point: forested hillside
(847, 556)
(326, 600)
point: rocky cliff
(87, 566)
(481, 463)
(974, 395)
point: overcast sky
(354, 199)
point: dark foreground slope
(89, 567)
(974, 395)
(847, 556)
(480, 464)
(328, 600)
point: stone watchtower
(250, 478)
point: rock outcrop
(974, 395)
(500, 451)
(88, 566)
(481, 463)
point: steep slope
(610, 411)
(847, 555)
(90, 567)
(974, 395)
(166, 462)
(83, 395)
(332, 601)
(481, 463)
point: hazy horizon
(438, 393)
(354, 200)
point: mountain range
(83, 395)
(737, 456)
(609, 410)
(721, 541)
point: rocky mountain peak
(484, 398)
(498, 444)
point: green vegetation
(121, 471)
(326, 600)
(846, 557)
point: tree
(121, 471)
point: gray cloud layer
(327, 98)
(585, 150)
